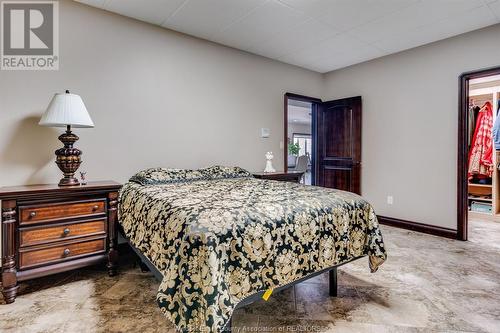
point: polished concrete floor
(428, 284)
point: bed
(217, 237)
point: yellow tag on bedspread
(267, 294)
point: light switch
(264, 132)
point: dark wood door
(339, 144)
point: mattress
(219, 239)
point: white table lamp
(66, 110)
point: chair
(301, 165)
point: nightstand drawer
(47, 234)
(38, 256)
(58, 211)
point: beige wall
(160, 98)
(157, 97)
(410, 110)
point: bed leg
(112, 233)
(143, 266)
(333, 282)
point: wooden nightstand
(48, 229)
(290, 176)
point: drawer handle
(66, 252)
(32, 214)
(66, 231)
(96, 207)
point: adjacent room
(250, 166)
(299, 138)
(484, 146)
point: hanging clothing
(496, 131)
(472, 124)
(481, 149)
(473, 111)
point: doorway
(299, 140)
(478, 154)
(330, 142)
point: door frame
(314, 101)
(463, 148)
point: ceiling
(320, 35)
(299, 115)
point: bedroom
(177, 97)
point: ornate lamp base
(68, 158)
(70, 181)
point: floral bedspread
(219, 241)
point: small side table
(49, 229)
(289, 176)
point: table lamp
(66, 110)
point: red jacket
(481, 149)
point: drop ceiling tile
(152, 11)
(93, 3)
(305, 63)
(348, 57)
(447, 8)
(331, 53)
(343, 60)
(347, 14)
(301, 36)
(204, 18)
(328, 63)
(345, 43)
(320, 35)
(270, 19)
(302, 59)
(495, 7)
(412, 17)
(471, 20)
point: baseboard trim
(416, 226)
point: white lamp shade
(66, 109)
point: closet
(483, 157)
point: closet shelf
(480, 185)
(481, 199)
(480, 189)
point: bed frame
(257, 296)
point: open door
(338, 154)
